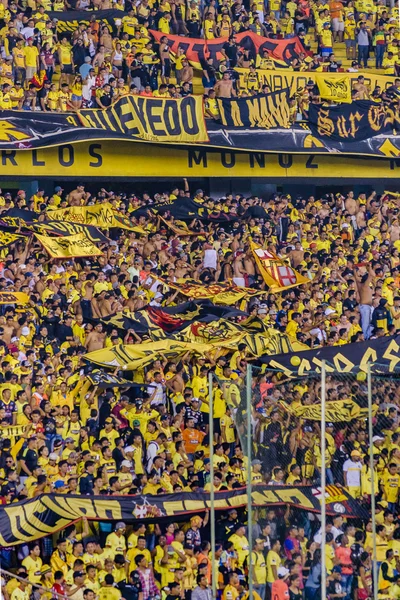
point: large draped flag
(276, 273)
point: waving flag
(276, 273)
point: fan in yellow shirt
(116, 540)
(33, 564)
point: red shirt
(344, 555)
(58, 588)
(280, 590)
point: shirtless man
(249, 266)
(360, 217)
(95, 339)
(76, 196)
(297, 255)
(350, 204)
(149, 247)
(363, 91)
(186, 73)
(239, 270)
(182, 269)
(365, 293)
(8, 329)
(224, 87)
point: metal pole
(249, 498)
(323, 482)
(212, 497)
(371, 466)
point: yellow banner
(335, 411)
(281, 79)
(116, 160)
(336, 89)
(100, 215)
(278, 275)
(221, 293)
(137, 356)
(13, 298)
(153, 119)
(70, 246)
(182, 229)
(7, 238)
(13, 431)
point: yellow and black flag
(276, 273)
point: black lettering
(35, 161)
(214, 51)
(394, 163)
(247, 43)
(171, 118)
(96, 155)
(201, 49)
(184, 45)
(197, 158)
(66, 155)
(126, 115)
(189, 120)
(153, 119)
(310, 164)
(285, 161)
(257, 157)
(224, 160)
(8, 155)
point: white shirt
(353, 472)
(28, 32)
(210, 259)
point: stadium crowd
(154, 438)
(92, 63)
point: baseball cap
(126, 463)
(53, 456)
(337, 569)
(58, 188)
(355, 454)
(45, 569)
(120, 525)
(256, 462)
(283, 572)
(378, 438)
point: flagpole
(323, 481)
(371, 467)
(212, 495)
(249, 482)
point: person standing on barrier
(363, 42)
(365, 293)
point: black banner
(171, 319)
(14, 218)
(19, 132)
(33, 519)
(60, 228)
(360, 120)
(131, 117)
(69, 20)
(266, 111)
(382, 354)
(27, 222)
(104, 380)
